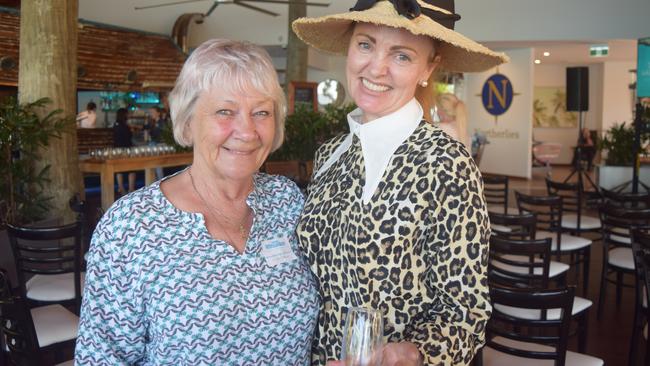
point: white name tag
(277, 251)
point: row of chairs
(496, 190)
(531, 321)
(531, 318)
(618, 215)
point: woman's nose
(245, 127)
(378, 66)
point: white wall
(617, 96)
(335, 71)
(555, 75)
(509, 150)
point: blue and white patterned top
(161, 291)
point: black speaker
(577, 89)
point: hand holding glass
(363, 337)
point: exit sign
(598, 50)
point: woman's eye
(225, 112)
(263, 113)
(403, 58)
(364, 46)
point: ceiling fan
(244, 3)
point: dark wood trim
(302, 89)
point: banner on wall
(500, 109)
(643, 69)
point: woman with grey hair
(203, 267)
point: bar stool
(52, 255)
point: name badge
(277, 251)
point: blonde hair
(231, 66)
(426, 96)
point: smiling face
(384, 67)
(233, 133)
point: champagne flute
(363, 337)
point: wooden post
(48, 68)
(296, 49)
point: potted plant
(23, 132)
(617, 145)
(305, 130)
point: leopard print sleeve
(450, 329)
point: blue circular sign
(497, 94)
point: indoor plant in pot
(617, 145)
(23, 132)
(305, 131)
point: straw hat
(458, 53)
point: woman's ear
(433, 65)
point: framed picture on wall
(550, 110)
(303, 93)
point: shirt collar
(379, 139)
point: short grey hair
(231, 66)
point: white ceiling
(573, 52)
(236, 22)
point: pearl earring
(424, 83)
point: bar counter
(108, 167)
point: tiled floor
(609, 338)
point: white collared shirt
(380, 139)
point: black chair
(525, 264)
(638, 200)
(52, 255)
(5, 293)
(618, 258)
(523, 227)
(78, 206)
(29, 334)
(549, 213)
(574, 198)
(517, 341)
(641, 250)
(495, 189)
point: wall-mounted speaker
(577, 89)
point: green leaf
(22, 134)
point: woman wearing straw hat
(395, 217)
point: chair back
(547, 209)
(47, 251)
(640, 200)
(617, 223)
(641, 250)
(519, 263)
(570, 193)
(17, 327)
(550, 332)
(495, 189)
(513, 226)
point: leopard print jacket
(417, 251)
